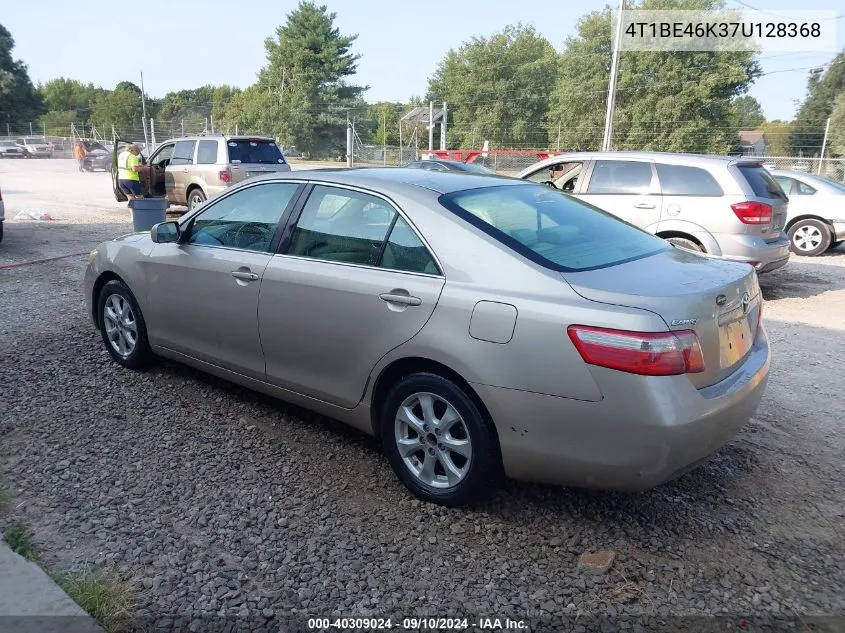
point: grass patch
(5, 497)
(17, 537)
(102, 595)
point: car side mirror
(165, 232)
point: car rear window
(552, 228)
(761, 182)
(680, 180)
(255, 151)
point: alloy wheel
(120, 324)
(433, 440)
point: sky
(180, 44)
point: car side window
(183, 153)
(207, 153)
(804, 189)
(405, 251)
(342, 225)
(620, 177)
(162, 158)
(681, 180)
(785, 184)
(246, 219)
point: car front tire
(438, 442)
(809, 237)
(122, 326)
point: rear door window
(620, 177)
(207, 153)
(681, 180)
(761, 182)
(255, 151)
(183, 153)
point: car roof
(223, 137)
(672, 158)
(392, 179)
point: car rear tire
(1, 231)
(685, 243)
(122, 326)
(438, 442)
(835, 245)
(809, 237)
(195, 198)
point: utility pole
(144, 113)
(611, 88)
(443, 128)
(558, 136)
(30, 128)
(430, 126)
(824, 145)
(384, 138)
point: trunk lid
(718, 299)
(254, 156)
(765, 189)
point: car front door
(352, 281)
(203, 290)
(157, 169)
(178, 171)
(626, 188)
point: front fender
(692, 229)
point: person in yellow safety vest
(128, 166)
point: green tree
(381, 123)
(777, 137)
(822, 89)
(302, 93)
(670, 101)
(194, 108)
(66, 101)
(19, 101)
(748, 113)
(120, 108)
(497, 88)
(837, 127)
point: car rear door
(249, 157)
(627, 188)
(352, 282)
(177, 173)
(691, 199)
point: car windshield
(34, 141)
(477, 169)
(761, 181)
(254, 151)
(552, 228)
(836, 185)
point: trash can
(147, 212)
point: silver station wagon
(727, 207)
(479, 326)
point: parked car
(191, 169)
(476, 325)
(815, 221)
(34, 147)
(2, 215)
(449, 165)
(722, 206)
(10, 149)
(98, 156)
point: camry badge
(684, 322)
(746, 299)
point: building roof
(751, 136)
(420, 115)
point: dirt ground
(212, 500)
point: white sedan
(815, 220)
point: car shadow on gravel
(802, 279)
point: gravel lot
(214, 501)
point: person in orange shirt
(79, 153)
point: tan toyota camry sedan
(479, 326)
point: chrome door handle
(401, 299)
(643, 205)
(245, 275)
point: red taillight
(224, 175)
(644, 353)
(753, 212)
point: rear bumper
(838, 229)
(611, 444)
(764, 256)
